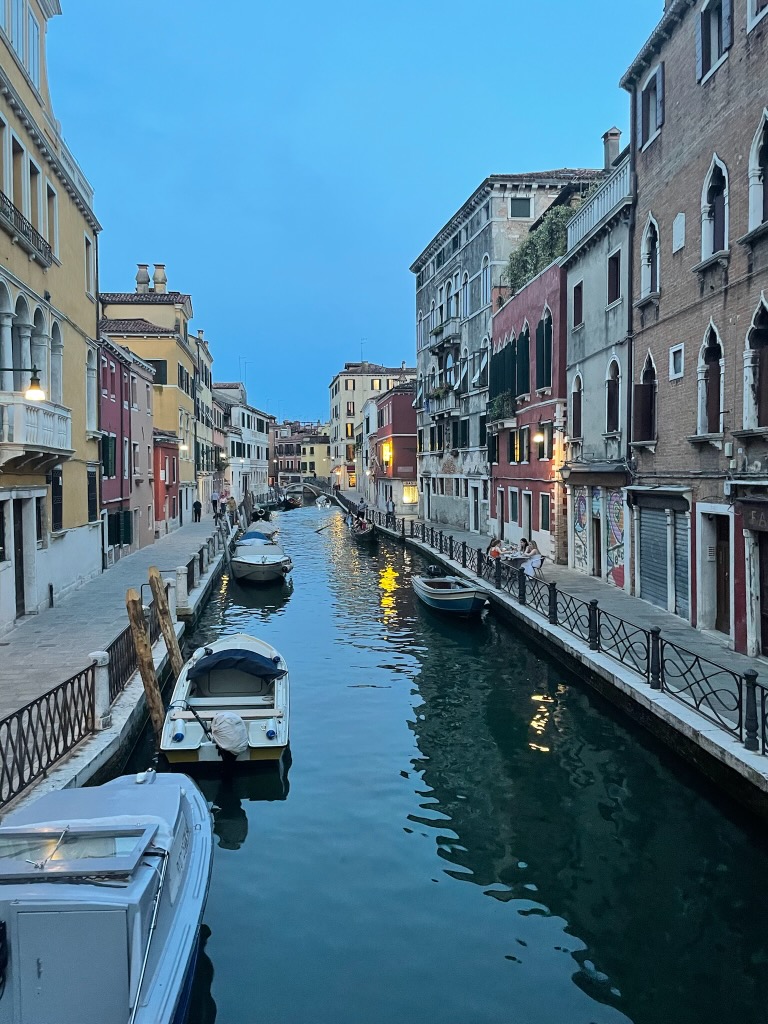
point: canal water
(465, 833)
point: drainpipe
(630, 276)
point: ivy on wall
(544, 245)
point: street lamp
(34, 392)
(538, 437)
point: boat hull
(259, 572)
(461, 602)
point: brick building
(526, 413)
(393, 459)
(700, 317)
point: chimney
(611, 144)
(160, 279)
(200, 334)
(142, 279)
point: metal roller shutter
(653, 556)
(681, 564)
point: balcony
(22, 233)
(502, 411)
(34, 436)
(444, 333)
(614, 193)
(441, 401)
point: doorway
(428, 498)
(474, 509)
(18, 555)
(527, 504)
(500, 513)
(763, 555)
(597, 547)
(723, 574)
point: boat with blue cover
(102, 893)
(231, 702)
(449, 594)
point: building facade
(49, 450)
(142, 379)
(154, 324)
(206, 455)
(393, 462)
(166, 481)
(116, 476)
(247, 445)
(349, 390)
(526, 414)
(700, 318)
(598, 266)
(460, 282)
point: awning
(673, 498)
(596, 474)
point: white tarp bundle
(229, 732)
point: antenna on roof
(362, 344)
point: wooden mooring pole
(166, 623)
(146, 664)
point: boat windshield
(42, 851)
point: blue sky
(287, 162)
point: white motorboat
(259, 560)
(230, 702)
(102, 892)
(322, 501)
(449, 594)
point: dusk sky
(287, 162)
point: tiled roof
(146, 298)
(231, 385)
(137, 326)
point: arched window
(449, 370)
(577, 395)
(612, 398)
(649, 266)
(465, 296)
(523, 361)
(756, 371)
(644, 425)
(449, 300)
(485, 281)
(57, 365)
(758, 176)
(710, 384)
(714, 210)
(544, 351)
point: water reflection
(202, 1004)
(245, 783)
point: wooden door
(597, 548)
(18, 555)
(723, 569)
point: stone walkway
(706, 644)
(43, 650)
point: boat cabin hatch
(47, 852)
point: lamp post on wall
(34, 392)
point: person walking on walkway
(197, 508)
(232, 509)
(215, 503)
(390, 513)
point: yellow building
(154, 323)
(50, 532)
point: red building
(115, 419)
(526, 414)
(166, 481)
(394, 459)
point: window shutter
(127, 531)
(641, 425)
(639, 116)
(699, 51)
(540, 354)
(660, 95)
(727, 24)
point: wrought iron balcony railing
(24, 233)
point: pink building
(526, 414)
(142, 376)
(394, 458)
(166, 481)
(115, 419)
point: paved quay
(43, 650)
(707, 644)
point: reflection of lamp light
(538, 437)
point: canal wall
(716, 754)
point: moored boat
(449, 594)
(102, 892)
(230, 702)
(362, 533)
(291, 501)
(259, 560)
(322, 501)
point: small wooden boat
(259, 559)
(449, 594)
(291, 501)
(323, 502)
(103, 890)
(362, 534)
(230, 702)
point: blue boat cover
(253, 534)
(250, 662)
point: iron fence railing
(34, 738)
(191, 574)
(122, 662)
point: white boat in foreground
(102, 892)
(231, 701)
(259, 560)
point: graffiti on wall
(580, 523)
(615, 554)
